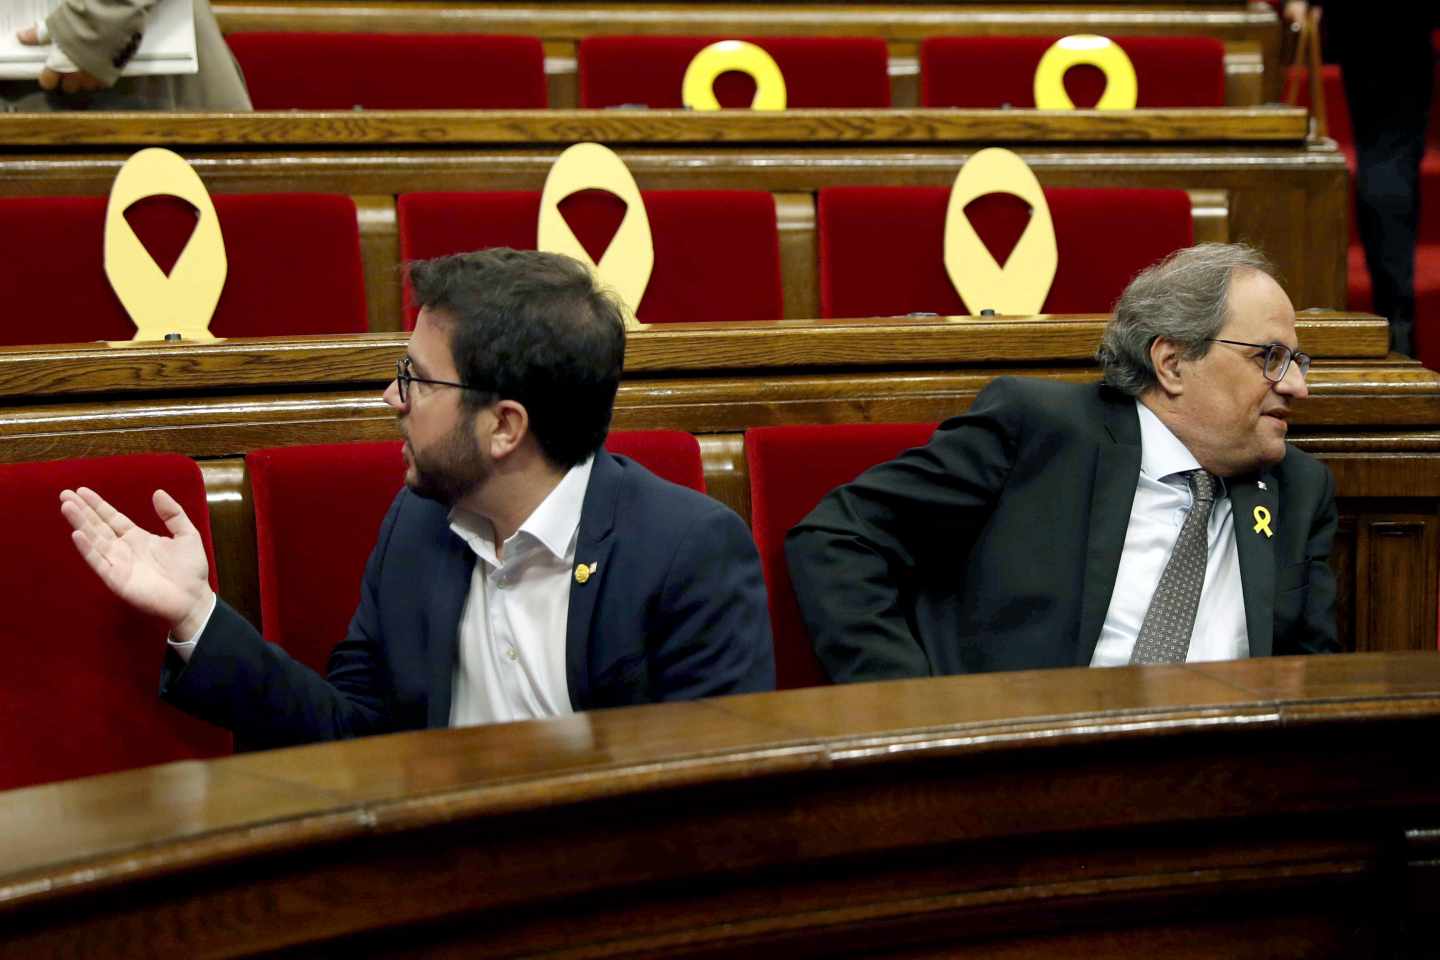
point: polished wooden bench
(1256, 165)
(1254, 809)
(1251, 31)
(1372, 418)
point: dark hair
(1184, 298)
(534, 328)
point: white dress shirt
(512, 630)
(1162, 501)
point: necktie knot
(1202, 485)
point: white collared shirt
(1162, 501)
(512, 630)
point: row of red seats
(83, 667)
(295, 263)
(332, 71)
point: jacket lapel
(448, 591)
(1255, 510)
(1117, 468)
(592, 549)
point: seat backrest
(882, 248)
(81, 667)
(299, 492)
(293, 265)
(717, 252)
(990, 72)
(848, 72)
(791, 468)
(391, 71)
(301, 495)
(671, 454)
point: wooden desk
(1255, 165)
(1267, 808)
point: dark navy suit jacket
(997, 546)
(675, 610)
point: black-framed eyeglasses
(403, 379)
(1276, 360)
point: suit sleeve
(856, 559)
(713, 617)
(238, 681)
(99, 35)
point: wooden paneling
(1264, 808)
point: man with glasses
(1156, 517)
(523, 571)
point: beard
(451, 467)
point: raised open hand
(164, 576)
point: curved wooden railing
(1282, 807)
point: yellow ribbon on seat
(1020, 286)
(1121, 86)
(697, 90)
(628, 261)
(183, 302)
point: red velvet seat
(717, 252)
(310, 565)
(391, 71)
(81, 668)
(791, 468)
(293, 265)
(987, 72)
(882, 248)
(848, 72)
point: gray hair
(1184, 299)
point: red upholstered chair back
(882, 248)
(671, 454)
(293, 265)
(391, 71)
(791, 468)
(986, 72)
(81, 667)
(849, 72)
(317, 510)
(717, 252)
(327, 502)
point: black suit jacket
(996, 546)
(675, 610)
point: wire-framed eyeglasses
(403, 379)
(1276, 359)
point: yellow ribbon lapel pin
(1262, 522)
(584, 571)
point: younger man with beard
(523, 572)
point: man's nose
(1293, 383)
(392, 395)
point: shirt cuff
(185, 649)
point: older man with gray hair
(1156, 517)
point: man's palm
(164, 576)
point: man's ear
(512, 426)
(1165, 356)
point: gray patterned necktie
(1165, 634)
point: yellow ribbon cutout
(1262, 521)
(627, 263)
(1020, 286)
(697, 90)
(183, 302)
(1121, 87)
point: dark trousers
(1388, 64)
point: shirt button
(510, 652)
